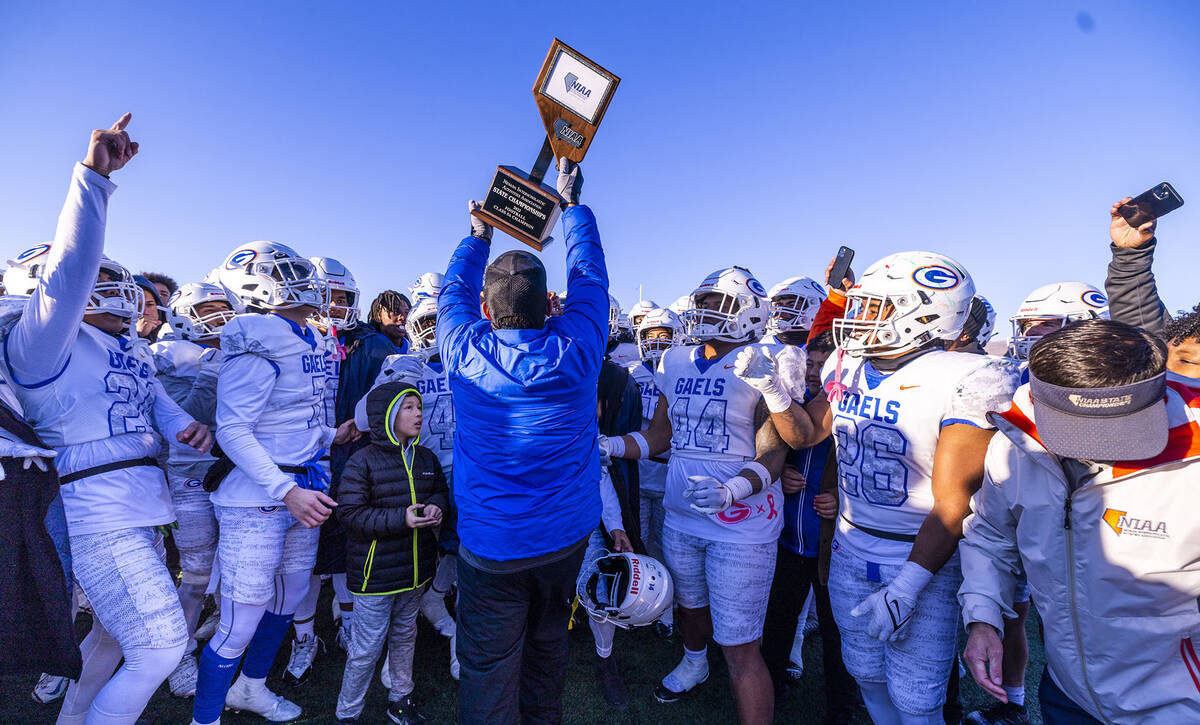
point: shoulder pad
(268, 336)
(178, 358)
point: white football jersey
(712, 422)
(283, 418)
(652, 475)
(100, 409)
(179, 363)
(886, 427)
(432, 381)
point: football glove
(756, 366)
(479, 228)
(710, 496)
(29, 455)
(890, 609)
(570, 180)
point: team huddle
(805, 452)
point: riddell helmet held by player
(1059, 304)
(268, 275)
(332, 276)
(740, 313)
(187, 322)
(903, 302)
(652, 348)
(629, 590)
(794, 304)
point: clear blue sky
(750, 133)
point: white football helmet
(794, 303)
(427, 285)
(639, 309)
(268, 275)
(903, 302)
(629, 590)
(614, 317)
(190, 324)
(332, 276)
(422, 324)
(652, 349)
(1060, 304)
(120, 296)
(741, 312)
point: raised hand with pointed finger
(110, 148)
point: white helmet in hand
(268, 275)
(629, 590)
(1052, 308)
(190, 322)
(903, 302)
(422, 324)
(652, 348)
(794, 304)
(333, 278)
(729, 305)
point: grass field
(642, 657)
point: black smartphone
(841, 265)
(1151, 204)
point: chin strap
(835, 389)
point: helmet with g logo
(903, 302)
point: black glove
(479, 228)
(570, 180)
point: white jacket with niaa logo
(1113, 566)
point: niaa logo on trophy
(575, 88)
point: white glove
(756, 366)
(30, 455)
(710, 496)
(892, 607)
(605, 445)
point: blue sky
(754, 134)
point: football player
(638, 311)
(86, 384)
(794, 305)
(909, 421)
(659, 331)
(187, 368)
(427, 285)
(1053, 307)
(270, 502)
(722, 496)
(336, 318)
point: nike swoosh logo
(909, 387)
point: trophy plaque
(572, 93)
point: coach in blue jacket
(526, 463)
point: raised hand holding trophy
(572, 94)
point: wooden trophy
(572, 94)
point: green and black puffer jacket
(383, 555)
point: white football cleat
(183, 680)
(253, 696)
(299, 666)
(49, 688)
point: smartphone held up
(1151, 204)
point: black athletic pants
(794, 574)
(512, 642)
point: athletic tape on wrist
(777, 400)
(616, 447)
(739, 487)
(759, 470)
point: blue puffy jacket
(526, 465)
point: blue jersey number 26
(869, 462)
